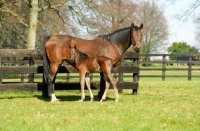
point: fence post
(68, 77)
(31, 76)
(22, 75)
(45, 85)
(22, 78)
(163, 67)
(120, 75)
(0, 73)
(135, 75)
(91, 76)
(190, 68)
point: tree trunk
(32, 25)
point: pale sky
(179, 30)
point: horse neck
(121, 38)
(126, 46)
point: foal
(85, 65)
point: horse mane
(119, 36)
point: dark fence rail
(27, 64)
(192, 64)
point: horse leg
(87, 81)
(53, 72)
(105, 92)
(102, 85)
(82, 84)
(114, 83)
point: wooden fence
(191, 65)
(26, 65)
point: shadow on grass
(73, 98)
(62, 98)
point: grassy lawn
(171, 105)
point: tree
(84, 19)
(99, 17)
(14, 16)
(180, 48)
(191, 11)
(13, 25)
(155, 31)
(56, 16)
(33, 25)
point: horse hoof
(81, 100)
(91, 99)
(116, 100)
(102, 100)
(99, 95)
(54, 100)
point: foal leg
(114, 83)
(105, 92)
(87, 81)
(82, 84)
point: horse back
(57, 48)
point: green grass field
(172, 105)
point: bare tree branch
(16, 15)
(189, 12)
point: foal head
(136, 36)
(75, 55)
(72, 52)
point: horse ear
(141, 26)
(132, 26)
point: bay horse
(113, 46)
(85, 65)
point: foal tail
(46, 63)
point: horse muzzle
(137, 49)
(71, 60)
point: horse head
(136, 36)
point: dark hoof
(103, 100)
(100, 95)
(134, 93)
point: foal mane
(119, 36)
(83, 55)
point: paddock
(25, 66)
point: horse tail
(46, 63)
